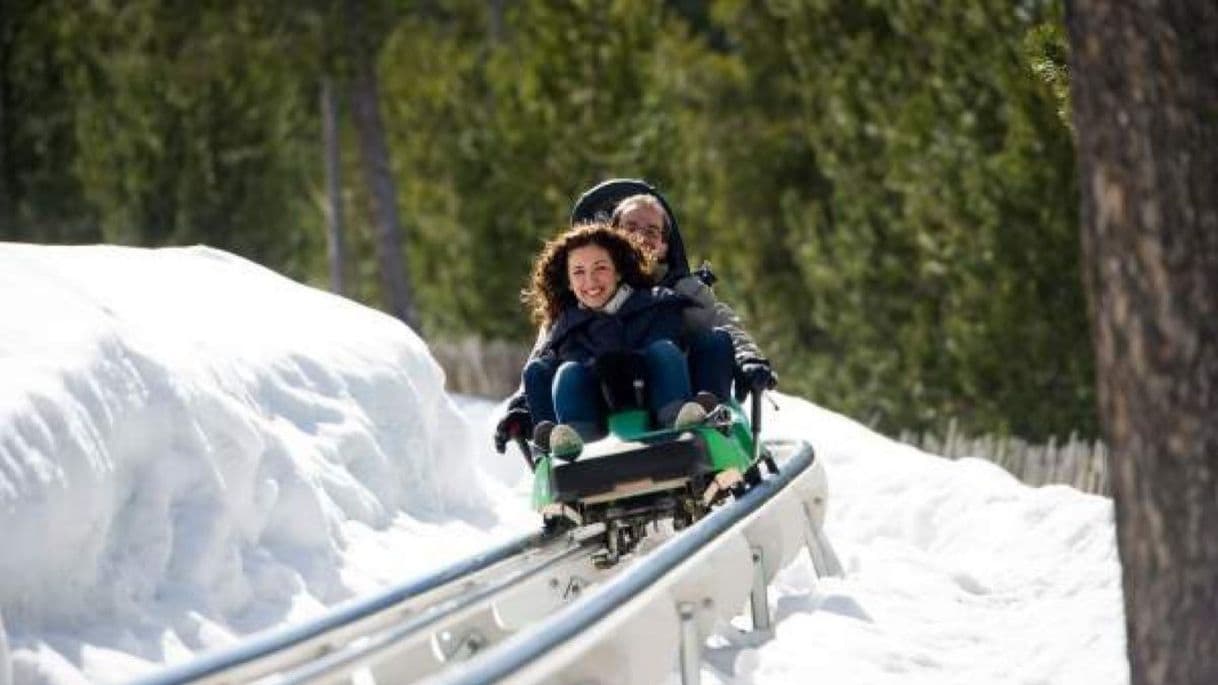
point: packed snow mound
(182, 426)
(956, 572)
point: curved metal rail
(460, 612)
(508, 614)
(654, 617)
(282, 648)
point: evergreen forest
(885, 188)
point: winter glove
(754, 375)
(516, 422)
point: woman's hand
(517, 422)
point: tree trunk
(1144, 83)
(335, 243)
(378, 171)
(9, 32)
(494, 33)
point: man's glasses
(649, 232)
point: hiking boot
(689, 415)
(718, 414)
(708, 400)
(565, 443)
(541, 434)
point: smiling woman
(555, 285)
(593, 276)
(591, 291)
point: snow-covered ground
(193, 448)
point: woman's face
(592, 274)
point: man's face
(647, 222)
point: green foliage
(1047, 50)
(38, 201)
(910, 186)
(496, 136)
(887, 189)
(183, 124)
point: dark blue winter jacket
(581, 334)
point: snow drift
(184, 436)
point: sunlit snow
(194, 448)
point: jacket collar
(574, 316)
(615, 302)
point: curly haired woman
(591, 291)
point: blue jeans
(667, 379)
(570, 392)
(711, 362)
(538, 381)
(564, 392)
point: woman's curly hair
(549, 290)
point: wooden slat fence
(1077, 462)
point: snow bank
(956, 572)
(185, 439)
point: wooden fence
(1076, 462)
(478, 367)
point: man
(637, 207)
(643, 215)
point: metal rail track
(442, 633)
(654, 618)
(510, 613)
(282, 649)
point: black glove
(516, 422)
(754, 375)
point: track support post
(691, 644)
(824, 559)
(759, 598)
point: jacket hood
(597, 204)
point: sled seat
(596, 472)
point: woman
(591, 292)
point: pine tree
(1145, 95)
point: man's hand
(756, 375)
(515, 423)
